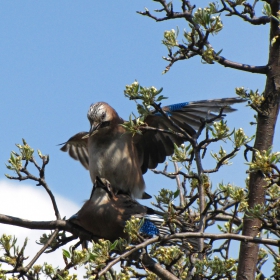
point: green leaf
(220, 51)
(175, 194)
(40, 153)
(66, 253)
(220, 228)
(159, 91)
(114, 245)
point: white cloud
(33, 203)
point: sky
(59, 57)
(18, 205)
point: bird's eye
(103, 115)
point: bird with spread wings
(108, 151)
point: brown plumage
(105, 213)
(110, 152)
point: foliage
(196, 207)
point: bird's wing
(154, 146)
(158, 222)
(130, 206)
(194, 112)
(77, 148)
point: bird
(108, 151)
(106, 212)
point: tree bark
(248, 255)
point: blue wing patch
(178, 106)
(166, 112)
(149, 228)
(173, 107)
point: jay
(108, 151)
(105, 214)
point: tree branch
(49, 225)
(240, 66)
(42, 250)
(185, 235)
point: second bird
(108, 151)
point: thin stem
(179, 187)
(53, 236)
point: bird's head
(100, 115)
(104, 186)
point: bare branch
(247, 239)
(172, 175)
(179, 187)
(143, 128)
(232, 11)
(222, 160)
(196, 48)
(48, 225)
(240, 66)
(42, 250)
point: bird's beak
(93, 130)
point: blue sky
(58, 57)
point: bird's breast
(116, 159)
(108, 155)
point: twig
(41, 181)
(239, 237)
(181, 135)
(54, 234)
(48, 225)
(222, 160)
(172, 175)
(196, 47)
(179, 187)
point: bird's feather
(77, 148)
(149, 148)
